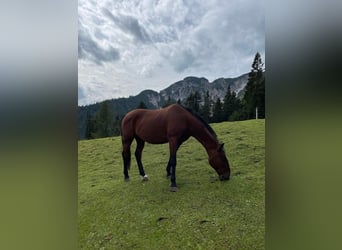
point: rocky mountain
(177, 91)
(217, 89)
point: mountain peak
(177, 91)
(194, 79)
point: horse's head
(218, 160)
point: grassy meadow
(204, 213)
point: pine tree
(205, 109)
(255, 89)
(90, 127)
(218, 111)
(193, 101)
(104, 121)
(231, 105)
(116, 126)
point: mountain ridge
(179, 90)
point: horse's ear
(221, 147)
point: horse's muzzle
(224, 177)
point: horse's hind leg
(126, 156)
(138, 153)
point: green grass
(205, 213)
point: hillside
(217, 89)
(177, 91)
(205, 213)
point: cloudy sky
(126, 46)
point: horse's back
(129, 121)
(154, 126)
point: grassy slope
(204, 214)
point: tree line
(105, 123)
(232, 108)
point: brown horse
(174, 124)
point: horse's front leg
(172, 163)
(168, 169)
(138, 152)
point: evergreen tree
(260, 102)
(218, 115)
(229, 104)
(193, 101)
(104, 121)
(205, 109)
(90, 127)
(116, 126)
(255, 90)
(236, 115)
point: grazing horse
(173, 124)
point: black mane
(210, 129)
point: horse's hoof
(127, 179)
(174, 189)
(145, 178)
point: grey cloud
(88, 48)
(222, 40)
(207, 38)
(97, 20)
(99, 35)
(128, 24)
(81, 94)
(183, 60)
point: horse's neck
(208, 141)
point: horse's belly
(155, 139)
(153, 136)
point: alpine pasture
(205, 213)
